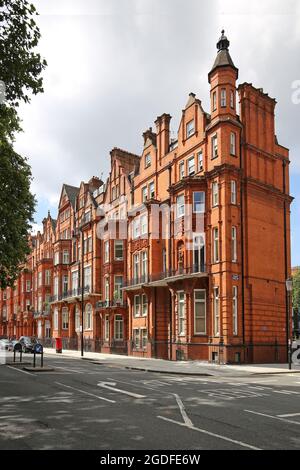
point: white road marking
(290, 415)
(185, 417)
(203, 431)
(111, 386)
(272, 417)
(86, 393)
(21, 370)
(137, 384)
(69, 370)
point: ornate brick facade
(183, 252)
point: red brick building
(186, 247)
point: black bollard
(14, 355)
(42, 359)
(34, 359)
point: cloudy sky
(115, 65)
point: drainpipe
(285, 260)
(242, 238)
(169, 267)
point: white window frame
(151, 190)
(233, 191)
(181, 313)
(233, 143)
(201, 317)
(66, 257)
(106, 328)
(55, 319)
(235, 310)
(214, 101)
(144, 263)
(119, 245)
(28, 287)
(56, 258)
(144, 309)
(88, 317)
(216, 247)
(191, 167)
(106, 289)
(214, 146)
(144, 193)
(136, 265)
(144, 224)
(147, 160)
(200, 160)
(137, 306)
(87, 276)
(234, 244)
(47, 277)
(118, 327)
(215, 193)
(118, 284)
(190, 128)
(223, 98)
(65, 318)
(199, 207)
(231, 99)
(106, 251)
(136, 338)
(180, 206)
(181, 170)
(216, 307)
(144, 338)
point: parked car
(6, 344)
(27, 343)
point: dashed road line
(272, 417)
(86, 393)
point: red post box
(58, 342)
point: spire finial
(223, 42)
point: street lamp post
(82, 289)
(289, 288)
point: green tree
(20, 72)
(296, 290)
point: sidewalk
(176, 367)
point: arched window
(88, 317)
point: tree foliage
(296, 290)
(20, 71)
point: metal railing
(110, 303)
(70, 293)
(169, 273)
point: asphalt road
(82, 405)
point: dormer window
(147, 160)
(190, 128)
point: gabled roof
(72, 193)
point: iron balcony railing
(110, 303)
(199, 268)
(137, 281)
(70, 293)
